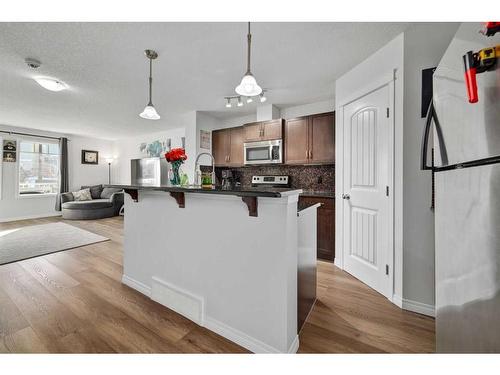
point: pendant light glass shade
(248, 85)
(149, 112)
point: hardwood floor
(73, 302)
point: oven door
(265, 152)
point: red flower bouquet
(176, 157)
(176, 154)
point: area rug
(28, 242)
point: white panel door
(366, 178)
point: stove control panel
(270, 180)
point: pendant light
(149, 112)
(248, 85)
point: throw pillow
(95, 191)
(108, 192)
(82, 195)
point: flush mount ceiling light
(51, 84)
(149, 112)
(47, 83)
(248, 85)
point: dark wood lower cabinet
(326, 226)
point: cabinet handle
(310, 154)
(307, 154)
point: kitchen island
(226, 259)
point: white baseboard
(336, 262)
(242, 339)
(418, 307)
(295, 345)
(134, 284)
(397, 300)
(181, 301)
(27, 217)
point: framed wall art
(90, 157)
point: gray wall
(424, 45)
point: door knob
(346, 196)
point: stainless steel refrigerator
(466, 141)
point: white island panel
(212, 262)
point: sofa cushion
(108, 192)
(87, 205)
(82, 195)
(95, 190)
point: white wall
(14, 207)
(308, 109)
(419, 47)
(424, 44)
(126, 149)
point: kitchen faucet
(197, 176)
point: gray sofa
(106, 202)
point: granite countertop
(269, 192)
(318, 193)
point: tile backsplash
(307, 177)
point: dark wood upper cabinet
(236, 136)
(310, 139)
(220, 143)
(253, 132)
(227, 147)
(263, 130)
(272, 130)
(322, 138)
(296, 141)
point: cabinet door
(296, 141)
(253, 132)
(236, 146)
(322, 138)
(325, 227)
(326, 234)
(220, 146)
(272, 130)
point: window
(38, 168)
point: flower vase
(175, 178)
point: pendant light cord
(150, 81)
(249, 39)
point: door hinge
(387, 191)
(387, 112)
(387, 269)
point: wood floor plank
(48, 317)
(86, 340)
(11, 319)
(201, 340)
(50, 276)
(24, 341)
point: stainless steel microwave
(263, 152)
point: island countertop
(270, 192)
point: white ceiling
(198, 64)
